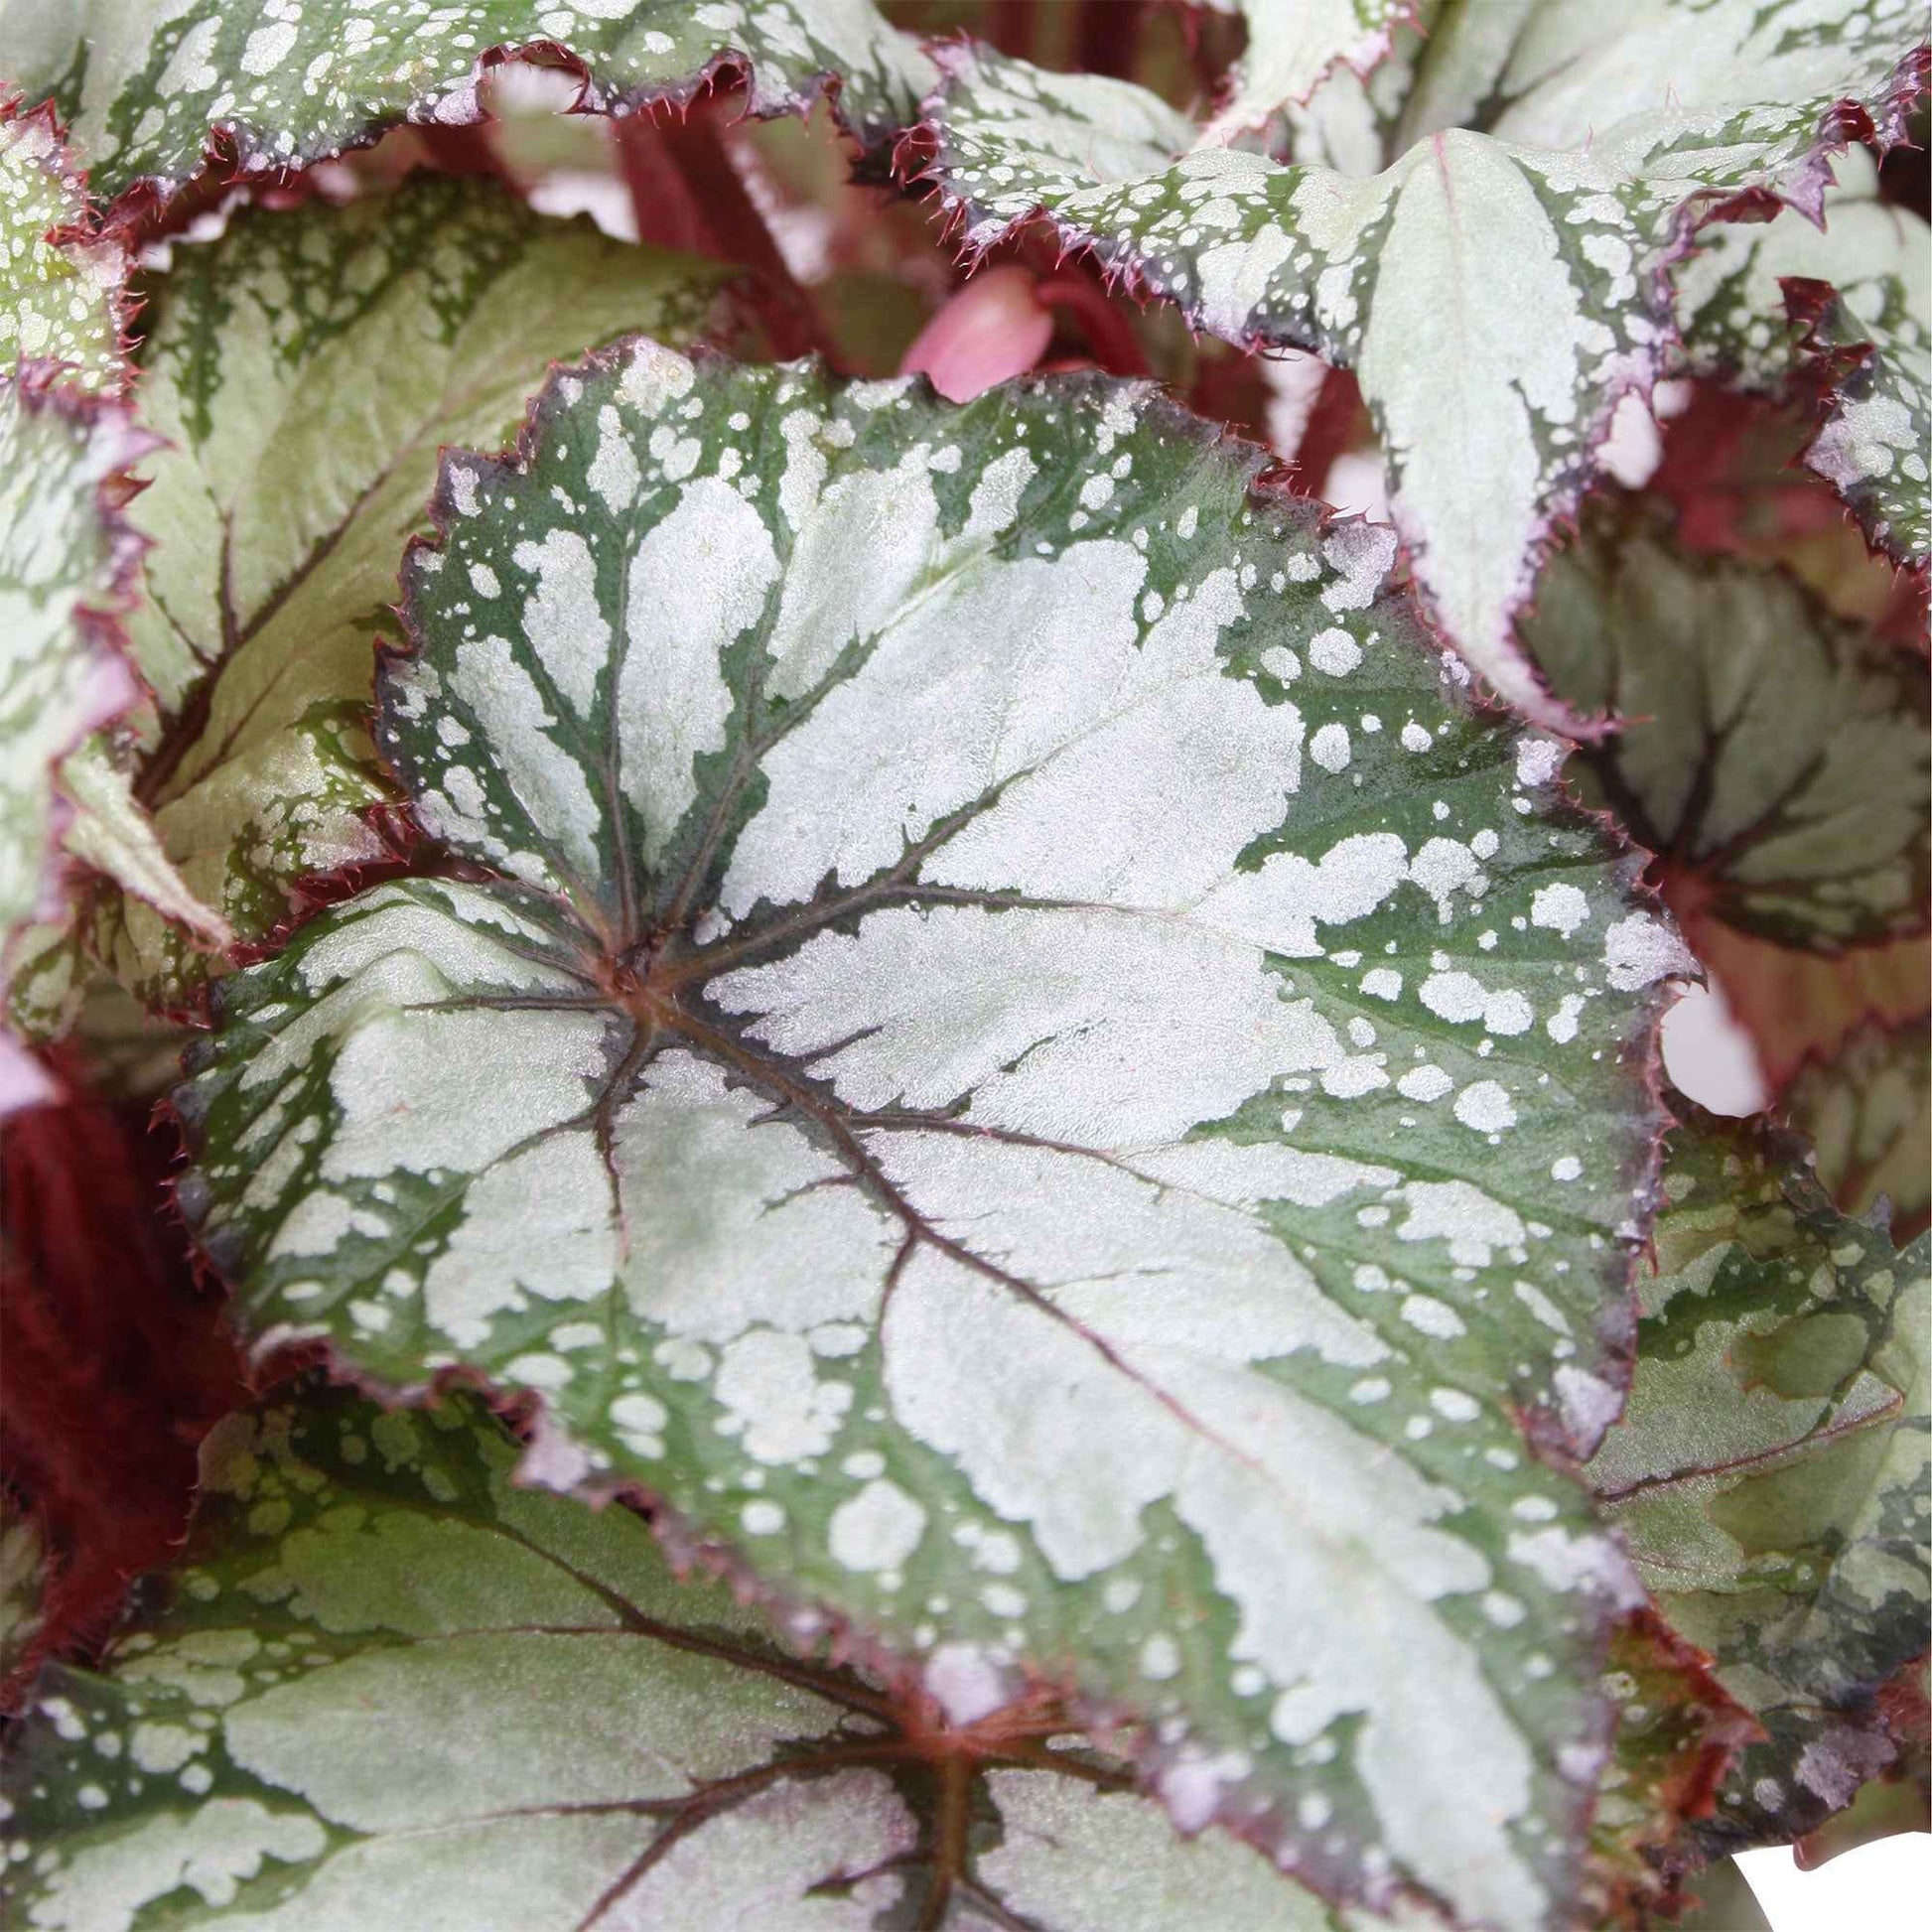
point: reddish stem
(1329, 429)
(685, 193)
(1107, 330)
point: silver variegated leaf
(1771, 1472)
(147, 82)
(305, 370)
(1867, 1111)
(61, 301)
(1495, 295)
(1030, 1065)
(67, 567)
(1863, 303)
(393, 1689)
(1771, 750)
(1555, 74)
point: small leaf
(60, 300)
(1868, 1109)
(1859, 295)
(305, 370)
(1292, 50)
(1495, 295)
(110, 832)
(67, 564)
(1773, 754)
(1034, 1036)
(395, 1690)
(1770, 1471)
(295, 85)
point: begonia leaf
(1029, 1064)
(1774, 752)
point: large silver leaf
(1033, 1067)
(394, 1689)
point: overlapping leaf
(1868, 1110)
(1759, 302)
(394, 1689)
(1774, 751)
(147, 82)
(305, 370)
(1496, 294)
(59, 288)
(1042, 1077)
(66, 563)
(1771, 1470)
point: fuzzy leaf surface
(394, 1689)
(305, 370)
(66, 564)
(1026, 1038)
(146, 82)
(1857, 297)
(1495, 295)
(1772, 1469)
(1770, 749)
(1868, 1110)
(59, 301)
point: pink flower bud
(991, 330)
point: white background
(1882, 1887)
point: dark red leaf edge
(554, 1462)
(113, 1363)
(917, 163)
(1639, 1877)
